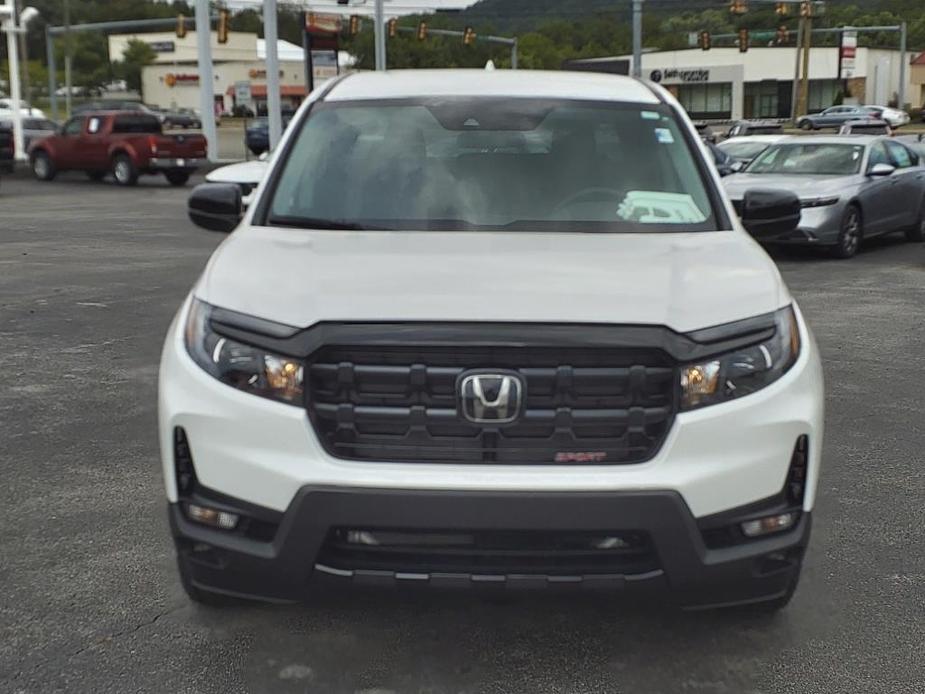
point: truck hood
(685, 281)
(804, 186)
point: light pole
(637, 38)
(25, 17)
(271, 42)
(379, 20)
(8, 18)
(206, 78)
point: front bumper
(165, 163)
(285, 568)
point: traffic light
(743, 40)
(354, 24)
(705, 41)
(783, 35)
(738, 6)
(181, 26)
(782, 9)
(223, 19)
(469, 36)
(422, 31)
(393, 28)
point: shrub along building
(724, 84)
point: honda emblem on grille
(491, 398)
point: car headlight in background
(241, 366)
(818, 202)
(743, 371)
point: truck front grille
(581, 405)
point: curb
(23, 172)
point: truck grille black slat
(400, 404)
(493, 552)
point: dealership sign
(847, 54)
(175, 79)
(674, 75)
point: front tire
(850, 234)
(806, 125)
(43, 167)
(124, 171)
(177, 177)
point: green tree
(137, 54)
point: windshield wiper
(321, 223)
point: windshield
(809, 159)
(464, 163)
(744, 150)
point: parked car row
(850, 188)
(836, 116)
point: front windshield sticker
(664, 136)
(651, 115)
(653, 207)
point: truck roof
(537, 84)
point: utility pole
(206, 79)
(795, 87)
(68, 82)
(52, 77)
(902, 67)
(379, 29)
(271, 41)
(637, 38)
(807, 22)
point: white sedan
(895, 117)
(247, 175)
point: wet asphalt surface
(90, 276)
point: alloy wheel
(851, 234)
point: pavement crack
(129, 630)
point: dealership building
(172, 80)
(724, 84)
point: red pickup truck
(124, 143)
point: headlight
(246, 368)
(744, 371)
(818, 202)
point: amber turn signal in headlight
(742, 371)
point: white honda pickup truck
(491, 330)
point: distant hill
(526, 15)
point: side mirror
(215, 206)
(881, 170)
(737, 166)
(770, 213)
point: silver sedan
(851, 188)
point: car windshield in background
(483, 164)
(827, 159)
(744, 150)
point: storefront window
(706, 100)
(822, 94)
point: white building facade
(724, 84)
(172, 80)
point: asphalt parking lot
(90, 276)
